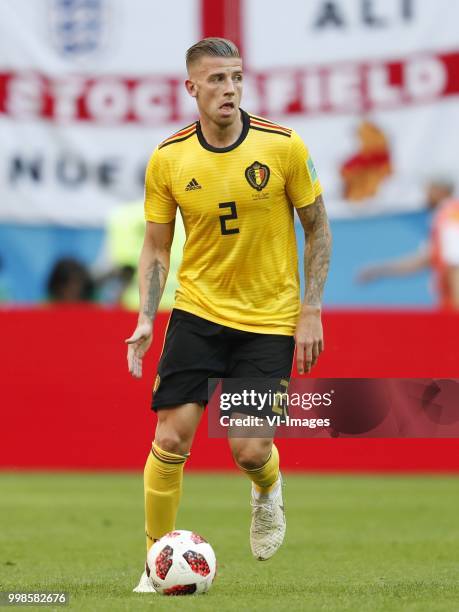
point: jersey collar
(242, 136)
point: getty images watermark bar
(334, 407)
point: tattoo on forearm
(154, 277)
(318, 249)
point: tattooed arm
(154, 266)
(309, 333)
(153, 270)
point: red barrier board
(68, 401)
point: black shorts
(196, 349)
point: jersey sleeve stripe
(183, 129)
(182, 132)
(270, 131)
(273, 126)
(263, 120)
(179, 137)
(257, 118)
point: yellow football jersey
(240, 266)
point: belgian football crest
(257, 175)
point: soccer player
(237, 180)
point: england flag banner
(88, 88)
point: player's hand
(138, 345)
(309, 339)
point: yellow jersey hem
(285, 330)
(303, 204)
(159, 219)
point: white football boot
(268, 526)
(145, 585)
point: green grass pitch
(360, 543)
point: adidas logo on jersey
(193, 184)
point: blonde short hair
(216, 47)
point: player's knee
(172, 442)
(250, 457)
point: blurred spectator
(70, 281)
(113, 283)
(125, 231)
(441, 251)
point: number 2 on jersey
(227, 217)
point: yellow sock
(265, 477)
(163, 478)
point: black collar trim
(242, 136)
